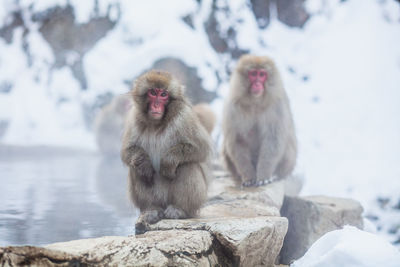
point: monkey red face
(158, 99)
(257, 78)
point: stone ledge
(313, 216)
(235, 228)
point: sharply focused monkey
(166, 149)
(109, 124)
(259, 136)
(206, 116)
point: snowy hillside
(341, 71)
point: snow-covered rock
(350, 247)
(311, 217)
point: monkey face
(257, 78)
(158, 99)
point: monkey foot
(172, 212)
(152, 216)
(147, 217)
(254, 183)
(250, 183)
(264, 182)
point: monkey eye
(262, 73)
(164, 94)
(253, 73)
(153, 92)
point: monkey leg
(239, 162)
(231, 168)
(187, 192)
(287, 163)
(150, 199)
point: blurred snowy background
(62, 60)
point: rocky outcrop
(292, 12)
(229, 242)
(188, 76)
(222, 39)
(69, 40)
(261, 12)
(311, 217)
(237, 227)
(241, 241)
(158, 248)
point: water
(49, 195)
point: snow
(350, 247)
(341, 72)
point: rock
(15, 20)
(224, 190)
(245, 222)
(245, 241)
(313, 216)
(158, 248)
(292, 12)
(188, 76)
(235, 228)
(35, 256)
(69, 40)
(260, 9)
(222, 39)
(224, 242)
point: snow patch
(350, 247)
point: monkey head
(255, 74)
(154, 92)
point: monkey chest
(156, 146)
(251, 139)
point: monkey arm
(136, 157)
(179, 154)
(271, 151)
(240, 155)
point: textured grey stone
(224, 242)
(245, 241)
(313, 216)
(188, 76)
(223, 190)
(158, 248)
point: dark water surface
(50, 195)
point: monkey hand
(146, 175)
(143, 169)
(168, 170)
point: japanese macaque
(206, 116)
(109, 125)
(166, 149)
(259, 137)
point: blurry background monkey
(206, 116)
(259, 137)
(166, 149)
(109, 125)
